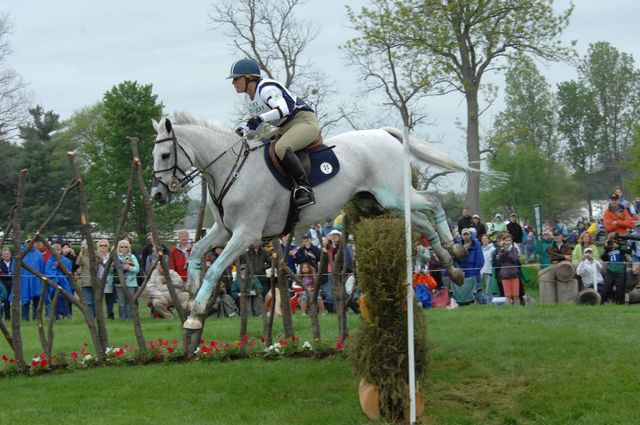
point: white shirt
(590, 272)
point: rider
(269, 101)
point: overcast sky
(72, 51)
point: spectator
(102, 257)
(593, 226)
(498, 226)
(509, 258)
(254, 291)
(635, 246)
(159, 295)
(585, 241)
(308, 277)
(615, 276)
(54, 273)
(471, 266)
(514, 228)
(259, 259)
(316, 235)
(465, 221)
(616, 218)
(293, 249)
(68, 252)
(589, 269)
(332, 247)
(227, 275)
(6, 276)
(30, 284)
(559, 227)
(624, 202)
(542, 248)
(530, 246)
(559, 250)
(307, 252)
(481, 228)
(328, 227)
(130, 268)
(179, 254)
(488, 251)
(84, 276)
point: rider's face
(240, 84)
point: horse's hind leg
(423, 225)
(236, 246)
(440, 220)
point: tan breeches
(297, 133)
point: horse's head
(171, 162)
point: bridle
(180, 178)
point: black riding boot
(302, 194)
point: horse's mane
(187, 118)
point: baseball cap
(475, 216)
(243, 267)
(465, 230)
(335, 232)
(587, 249)
(498, 215)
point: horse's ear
(167, 125)
(156, 126)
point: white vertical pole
(406, 166)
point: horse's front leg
(238, 243)
(216, 236)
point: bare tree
(268, 32)
(13, 95)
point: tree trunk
(15, 289)
(97, 285)
(473, 150)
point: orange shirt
(617, 222)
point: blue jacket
(29, 283)
(472, 265)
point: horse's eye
(165, 155)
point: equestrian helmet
(245, 68)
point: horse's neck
(208, 146)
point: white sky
(71, 52)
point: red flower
(74, 355)
(159, 354)
(205, 349)
(86, 344)
(174, 342)
(43, 363)
(263, 339)
(245, 338)
(132, 347)
(34, 363)
(4, 357)
(294, 337)
(118, 352)
(84, 352)
(170, 349)
(202, 341)
(12, 360)
(338, 345)
(152, 344)
(283, 342)
(212, 344)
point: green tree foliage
(464, 39)
(598, 118)
(48, 175)
(9, 168)
(525, 147)
(126, 111)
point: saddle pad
(324, 166)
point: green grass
(491, 365)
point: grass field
(491, 365)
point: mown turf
(491, 365)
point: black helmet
(244, 67)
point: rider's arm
(273, 97)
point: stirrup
(303, 197)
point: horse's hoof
(459, 252)
(192, 323)
(456, 275)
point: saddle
(319, 161)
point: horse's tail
(430, 154)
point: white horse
(251, 205)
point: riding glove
(254, 123)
